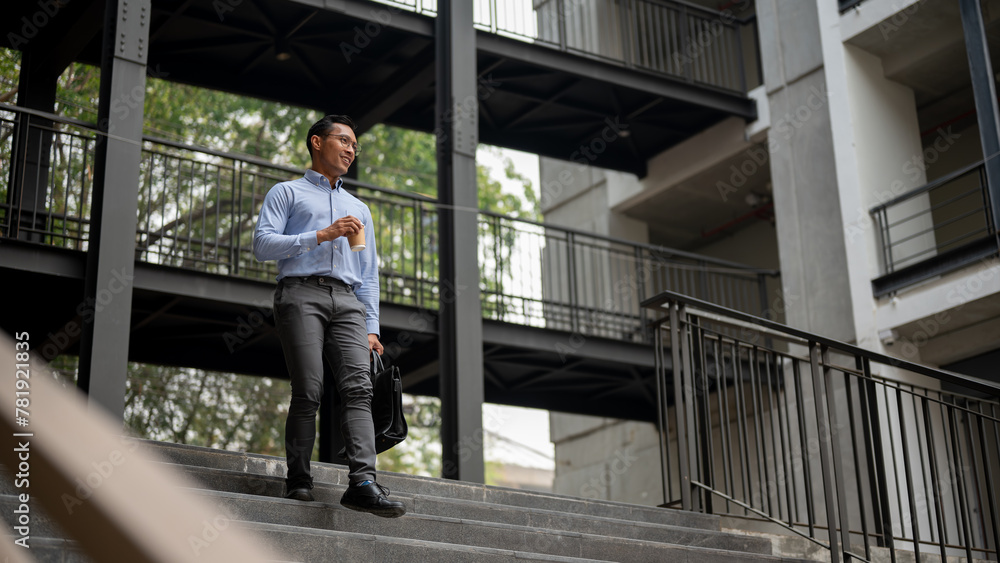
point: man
(325, 305)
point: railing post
(765, 311)
(699, 397)
(418, 254)
(991, 493)
(627, 32)
(685, 22)
(689, 403)
(640, 284)
(870, 419)
(740, 57)
(574, 305)
(561, 23)
(935, 479)
(908, 474)
(234, 219)
(683, 429)
(703, 282)
(662, 416)
(825, 440)
(839, 472)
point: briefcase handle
(377, 365)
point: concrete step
(447, 529)
(448, 521)
(54, 550)
(314, 546)
(323, 545)
(254, 489)
(39, 523)
(261, 465)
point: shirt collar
(320, 180)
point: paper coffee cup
(357, 240)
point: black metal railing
(862, 453)
(197, 209)
(668, 37)
(941, 226)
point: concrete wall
(609, 459)
(581, 197)
(803, 172)
(754, 245)
(841, 136)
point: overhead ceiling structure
(924, 49)
(376, 63)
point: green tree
(204, 408)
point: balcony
(676, 39)
(935, 229)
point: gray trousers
(320, 318)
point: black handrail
(989, 387)
(926, 187)
(761, 420)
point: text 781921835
(22, 402)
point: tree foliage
(203, 408)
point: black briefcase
(387, 405)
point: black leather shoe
(372, 498)
(301, 493)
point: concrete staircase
(447, 521)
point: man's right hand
(340, 228)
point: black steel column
(985, 92)
(36, 89)
(460, 324)
(111, 253)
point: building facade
(863, 181)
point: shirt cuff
(307, 241)
(372, 327)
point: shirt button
(321, 280)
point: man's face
(334, 150)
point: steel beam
(111, 256)
(397, 91)
(389, 16)
(567, 63)
(985, 93)
(460, 322)
(509, 335)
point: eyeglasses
(346, 141)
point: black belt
(325, 281)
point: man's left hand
(374, 344)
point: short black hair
(324, 125)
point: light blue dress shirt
(286, 231)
